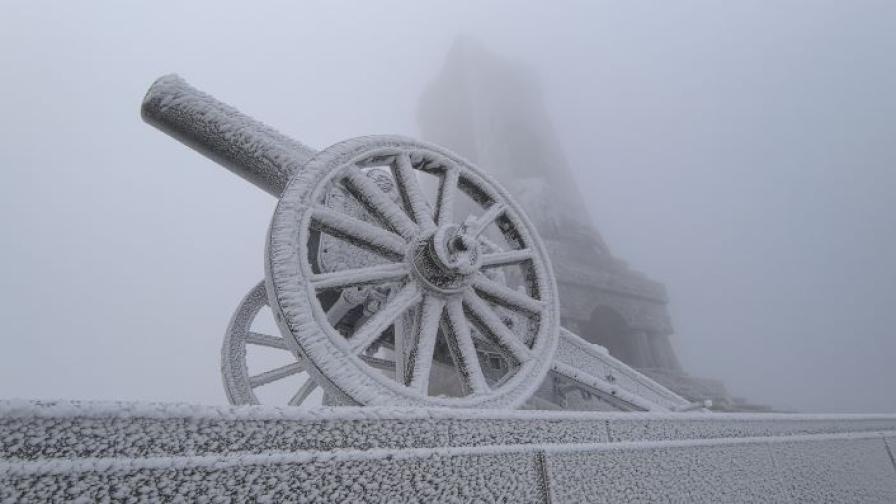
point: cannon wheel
(436, 270)
(238, 383)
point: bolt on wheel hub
(447, 259)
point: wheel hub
(446, 259)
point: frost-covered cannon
(398, 273)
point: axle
(249, 148)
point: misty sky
(744, 155)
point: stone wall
(124, 451)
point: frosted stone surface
(132, 430)
(721, 473)
(836, 470)
(66, 451)
(720, 425)
(890, 444)
(491, 478)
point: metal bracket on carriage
(397, 274)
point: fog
(744, 155)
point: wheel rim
(443, 290)
(239, 384)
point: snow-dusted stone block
(418, 477)
(483, 431)
(51, 451)
(840, 469)
(31, 431)
(149, 437)
(890, 445)
(652, 472)
(640, 427)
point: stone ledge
(93, 451)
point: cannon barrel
(249, 148)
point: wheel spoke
(358, 232)
(410, 190)
(505, 296)
(376, 362)
(254, 338)
(339, 309)
(373, 327)
(460, 344)
(416, 352)
(492, 327)
(445, 204)
(487, 218)
(304, 391)
(379, 204)
(275, 374)
(506, 258)
(360, 276)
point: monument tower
(491, 111)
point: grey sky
(742, 154)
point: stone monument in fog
(491, 111)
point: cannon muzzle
(249, 148)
